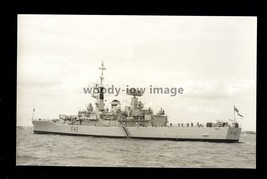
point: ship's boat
(135, 121)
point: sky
(212, 58)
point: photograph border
(9, 72)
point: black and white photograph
(147, 91)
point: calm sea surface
(61, 150)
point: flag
(236, 110)
(240, 115)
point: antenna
(100, 97)
(102, 68)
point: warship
(135, 121)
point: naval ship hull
(47, 126)
(209, 134)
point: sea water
(63, 150)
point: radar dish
(135, 92)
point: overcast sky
(212, 58)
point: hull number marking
(234, 133)
(74, 128)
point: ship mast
(102, 68)
(234, 114)
(101, 94)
